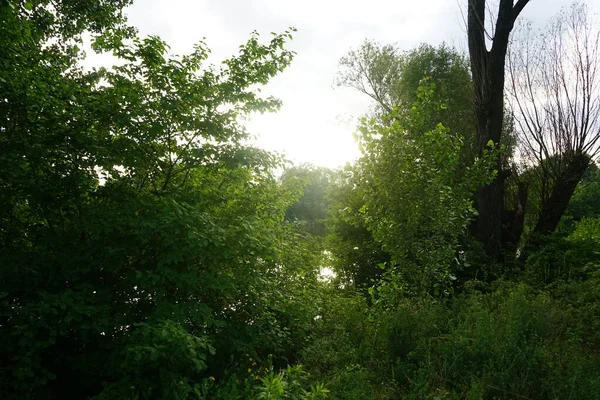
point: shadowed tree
(487, 68)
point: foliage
(449, 71)
(67, 19)
(392, 79)
(260, 381)
(441, 109)
(356, 255)
(148, 252)
(347, 353)
(143, 244)
(509, 343)
(374, 70)
(288, 384)
(584, 203)
(414, 204)
(566, 257)
(311, 209)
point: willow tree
(554, 90)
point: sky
(316, 121)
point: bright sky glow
(316, 121)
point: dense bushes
(512, 342)
(144, 248)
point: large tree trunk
(564, 186)
(487, 68)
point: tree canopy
(144, 249)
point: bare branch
(554, 89)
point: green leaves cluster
(417, 195)
(289, 384)
(411, 191)
(391, 78)
(144, 247)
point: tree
(143, 245)
(416, 204)
(391, 78)
(487, 68)
(373, 70)
(554, 79)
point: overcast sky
(315, 124)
